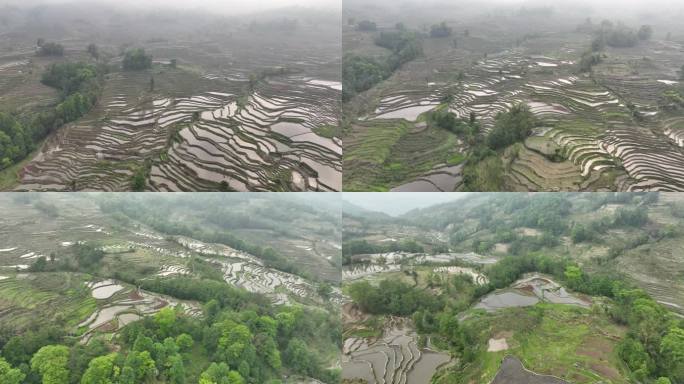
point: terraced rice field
(513, 372)
(529, 291)
(239, 268)
(422, 258)
(393, 358)
(226, 104)
(256, 278)
(57, 297)
(494, 85)
(88, 305)
(379, 153)
(104, 289)
(198, 140)
(248, 272)
(360, 271)
(590, 140)
(470, 257)
(95, 306)
(127, 307)
(18, 82)
(380, 263)
(658, 273)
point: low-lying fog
(657, 12)
(217, 6)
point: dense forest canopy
(240, 338)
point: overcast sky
(397, 203)
(224, 6)
(602, 5)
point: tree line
(484, 169)
(80, 85)
(361, 73)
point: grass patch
(388, 154)
(578, 126)
(375, 141)
(573, 343)
(327, 131)
(456, 159)
(370, 328)
(61, 297)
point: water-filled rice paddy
(596, 142)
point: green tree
(138, 367)
(647, 320)
(136, 60)
(645, 32)
(440, 30)
(93, 51)
(139, 179)
(672, 351)
(235, 345)
(267, 325)
(69, 77)
(51, 364)
(324, 290)
(360, 74)
(102, 370)
(580, 234)
(299, 358)
(512, 126)
(268, 350)
(286, 323)
(184, 342)
(39, 265)
(573, 275)
(220, 374)
(633, 353)
(143, 343)
(9, 375)
(51, 49)
(366, 26)
(127, 376)
(449, 327)
(166, 320)
(176, 370)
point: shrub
(136, 60)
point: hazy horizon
(220, 6)
(396, 204)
